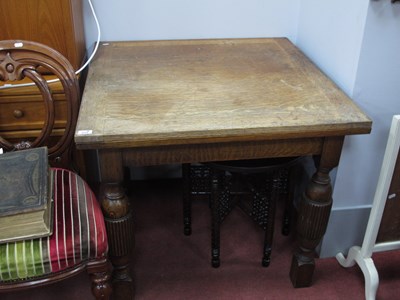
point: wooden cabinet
(56, 23)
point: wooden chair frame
(20, 59)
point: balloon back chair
(79, 239)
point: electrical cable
(8, 86)
(98, 39)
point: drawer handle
(18, 113)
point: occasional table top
(152, 93)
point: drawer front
(28, 113)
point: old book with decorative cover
(26, 202)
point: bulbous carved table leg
(314, 212)
(119, 222)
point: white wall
(183, 19)
(330, 33)
(354, 42)
(377, 91)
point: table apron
(158, 155)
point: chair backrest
(31, 60)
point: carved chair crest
(26, 59)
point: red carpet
(169, 265)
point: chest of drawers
(22, 111)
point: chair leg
(215, 233)
(288, 210)
(270, 222)
(100, 275)
(187, 201)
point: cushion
(79, 233)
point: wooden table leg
(314, 212)
(119, 221)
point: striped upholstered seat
(79, 240)
(79, 234)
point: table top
(151, 93)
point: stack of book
(26, 200)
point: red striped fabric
(78, 230)
(78, 233)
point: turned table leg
(314, 212)
(119, 222)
